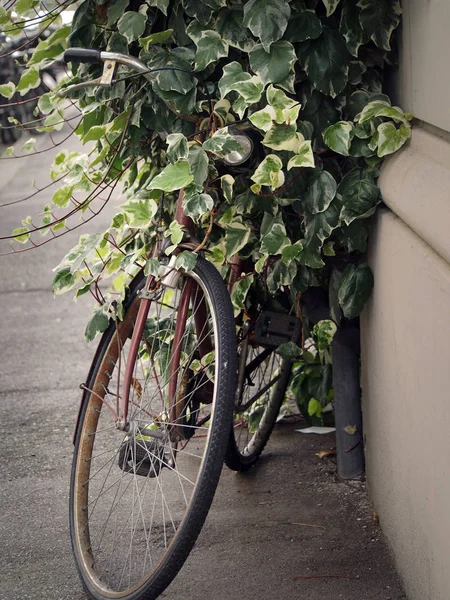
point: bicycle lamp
(238, 157)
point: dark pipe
(347, 402)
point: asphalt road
(288, 529)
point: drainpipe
(347, 401)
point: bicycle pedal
(273, 329)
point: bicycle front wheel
(139, 498)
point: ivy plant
(302, 78)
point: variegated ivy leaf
(177, 147)
(304, 157)
(221, 143)
(229, 26)
(359, 195)
(303, 25)
(269, 172)
(286, 108)
(195, 30)
(276, 64)
(210, 47)
(29, 80)
(320, 192)
(155, 38)
(371, 109)
(263, 119)
(330, 6)
(379, 19)
(267, 19)
(281, 274)
(186, 261)
(222, 109)
(7, 90)
(227, 183)
(140, 212)
(350, 27)
(240, 291)
(198, 161)
(338, 137)
(132, 25)
(173, 177)
(232, 74)
(390, 139)
(290, 252)
(282, 137)
(326, 62)
(163, 5)
(196, 203)
(274, 240)
(250, 90)
(236, 237)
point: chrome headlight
(237, 157)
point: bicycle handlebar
(82, 55)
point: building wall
(406, 325)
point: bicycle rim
(264, 377)
(139, 498)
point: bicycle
(154, 424)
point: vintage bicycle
(170, 395)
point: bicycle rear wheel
(262, 384)
(139, 498)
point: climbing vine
(303, 79)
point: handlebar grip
(82, 55)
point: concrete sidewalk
(288, 529)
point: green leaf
(274, 240)
(339, 136)
(232, 76)
(289, 351)
(210, 47)
(140, 213)
(282, 137)
(229, 26)
(63, 281)
(94, 133)
(116, 10)
(267, 19)
(264, 118)
(29, 146)
(198, 10)
(354, 289)
(269, 172)
(198, 161)
(318, 228)
(323, 333)
(379, 19)
(29, 80)
(21, 234)
(62, 196)
(221, 143)
(330, 6)
(173, 177)
(7, 90)
(177, 147)
(98, 324)
(350, 27)
(151, 267)
(303, 25)
(236, 237)
(132, 25)
(390, 139)
(291, 252)
(281, 274)
(276, 64)
(320, 192)
(314, 408)
(359, 195)
(163, 5)
(195, 203)
(326, 62)
(227, 183)
(186, 261)
(304, 157)
(371, 110)
(155, 38)
(239, 292)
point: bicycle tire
(245, 445)
(99, 576)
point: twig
(323, 577)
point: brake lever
(105, 80)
